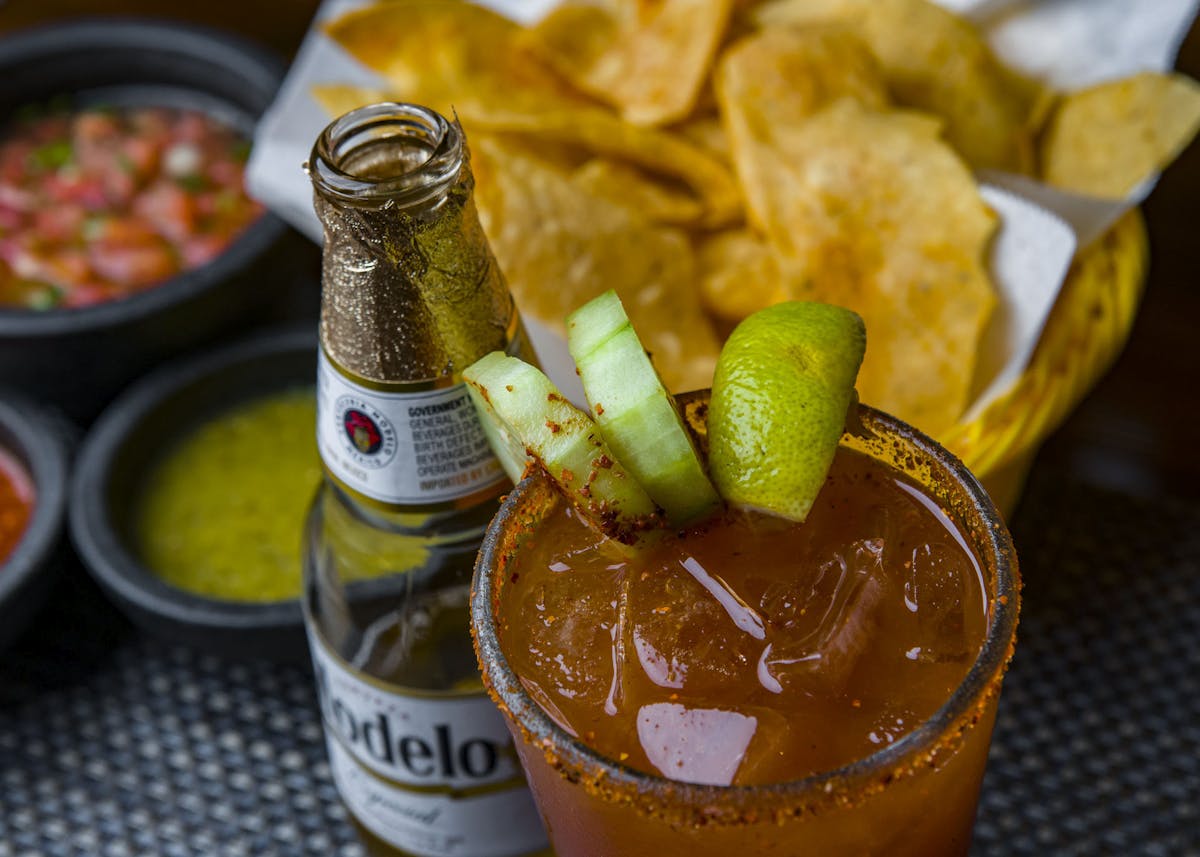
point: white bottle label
(411, 448)
(435, 776)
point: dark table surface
(115, 744)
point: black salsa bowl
(40, 444)
(132, 435)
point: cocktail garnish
(782, 389)
(783, 385)
(526, 417)
(634, 411)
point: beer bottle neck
(411, 296)
(395, 156)
(410, 292)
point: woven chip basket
(1083, 336)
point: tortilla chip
(775, 13)
(936, 61)
(876, 213)
(1108, 139)
(708, 134)
(739, 274)
(774, 79)
(600, 132)
(338, 98)
(648, 59)
(560, 246)
(460, 58)
(788, 74)
(449, 54)
(707, 194)
(656, 200)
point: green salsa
(221, 513)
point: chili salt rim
(937, 738)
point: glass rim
(946, 729)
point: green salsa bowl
(189, 493)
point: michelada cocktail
(750, 683)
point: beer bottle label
(434, 775)
(404, 444)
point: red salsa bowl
(124, 238)
(33, 485)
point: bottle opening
(404, 154)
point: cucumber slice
(525, 415)
(509, 449)
(637, 416)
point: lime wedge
(525, 416)
(637, 416)
(783, 384)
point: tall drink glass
(916, 796)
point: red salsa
(16, 503)
(101, 203)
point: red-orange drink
(752, 686)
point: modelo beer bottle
(411, 296)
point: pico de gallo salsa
(16, 503)
(100, 203)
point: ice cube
(571, 640)
(821, 623)
(948, 609)
(770, 756)
(683, 637)
(538, 695)
(695, 745)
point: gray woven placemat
(115, 744)
(1097, 747)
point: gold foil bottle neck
(410, 290)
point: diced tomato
(152, 123)
(90, 294)
(140, 156)
(16, 198)
(14, 162)
(202, 249)
(192, 127)
(22, 252)
(94, 126)
(120, 183)
(226, 173)
(121, 231)
(60, 223)
(10, 219)
(169, 207)
(72, 186)
(94, 136)
(9, 245)
(63, 265)
(134, 265)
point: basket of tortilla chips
(710, 157)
